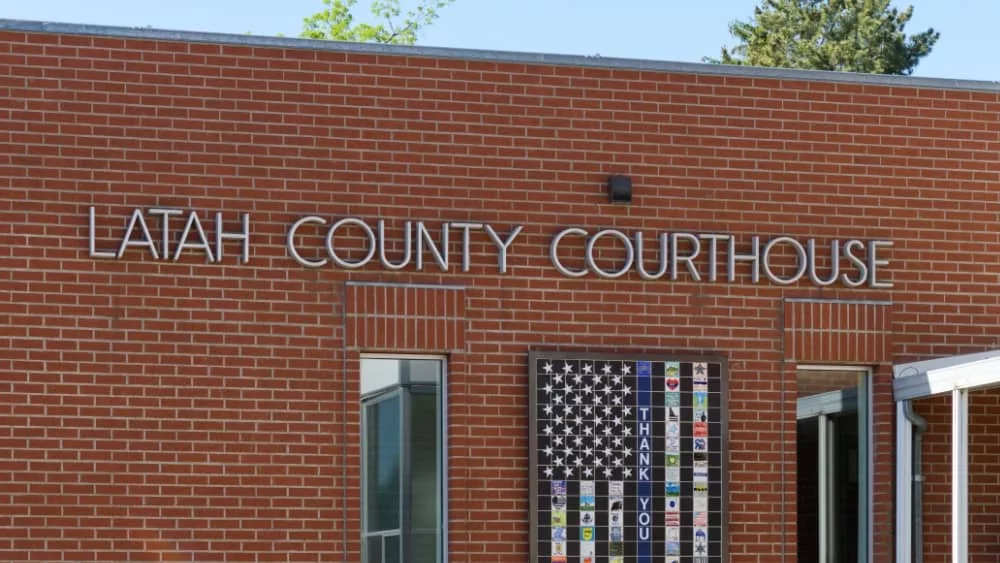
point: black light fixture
(620, 189)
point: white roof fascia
(923, 366)
(944, 375)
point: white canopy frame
(957, 376)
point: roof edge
(971, 375)
(496, 56)
(922, 367)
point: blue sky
(671, 30)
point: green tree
(844, 35)
(336, 22)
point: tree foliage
(393, 25)
(844, 35)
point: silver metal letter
(466, 227)
(713, 253)
(753, 258)
(333, 253)
(243, 236)
(858, 263)
(874, 262)
(675, 258)
(503, 245)
(554, 253)
(147, 238)
(800, 256)
(183, 243)
(94, 253)
(165, 222)
(629, 254)
(407, 246)
(834, 263)
(664, 263)
(440, 253)
(291, 241)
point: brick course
(179, 410)
(984, 466)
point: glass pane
(378, 373)
(815, 382)
(392, 550)
(424, 547)
(424, 371)
(808, 489)
(425, 468)
(843, 467)
(831, 466)
(382, 464)
(373, 551)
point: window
(402, 461)
(833, 457)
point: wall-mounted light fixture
(620, 189)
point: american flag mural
(627, 457)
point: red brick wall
(827, 332)
(160, 410)
(984, 484)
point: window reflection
(402, 460)
(832, 442)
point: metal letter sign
(627, 459)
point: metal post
(960, 476)
(832, 500)
(824, 489)
(904, 481)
